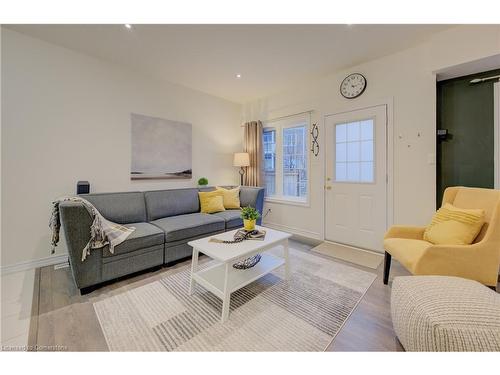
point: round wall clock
(353, 86)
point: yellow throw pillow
(231, 197)
(454, 226)
(211, 202)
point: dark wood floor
(65, 320)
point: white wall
(66, 117)
(407, 79)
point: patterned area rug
(270, 314)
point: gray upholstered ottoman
(441, 313)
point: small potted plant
(203, 181)
(249, 216)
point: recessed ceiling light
(238, 76)
(128, 26)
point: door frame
(496, 137)
(389, 144)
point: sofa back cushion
(121, 208)
(165, 203)
(248, 196)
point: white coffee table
(222, 278)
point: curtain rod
(282, 117)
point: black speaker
(82, 187)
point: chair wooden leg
(387, 267)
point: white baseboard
(296, 231)
(30, 264)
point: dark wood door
(466, 156)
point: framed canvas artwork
(161, 149)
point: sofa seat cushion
(145, 235)
(190, 225)
(408, 252)
(231, 217)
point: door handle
(328, 187)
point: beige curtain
(253, 145)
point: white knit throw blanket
(102, 231)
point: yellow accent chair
(479, 261)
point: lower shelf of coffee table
(212, 278)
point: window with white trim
(286, 160)
(269, 145)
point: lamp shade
(241, 159)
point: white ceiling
(208, 57)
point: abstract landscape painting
(160, 148)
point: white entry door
(356, 177)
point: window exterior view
(294, 162)
(269, 146)
(285, 159)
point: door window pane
(295, 162)
(269, 145)
(353, 151)
(366, 130)
(354, 142)
(366, 172)
(341, 171)
(353, 172)
(341, 132)
(353, 131)
(341, 152)
(366, 150)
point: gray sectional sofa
(164, 221)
